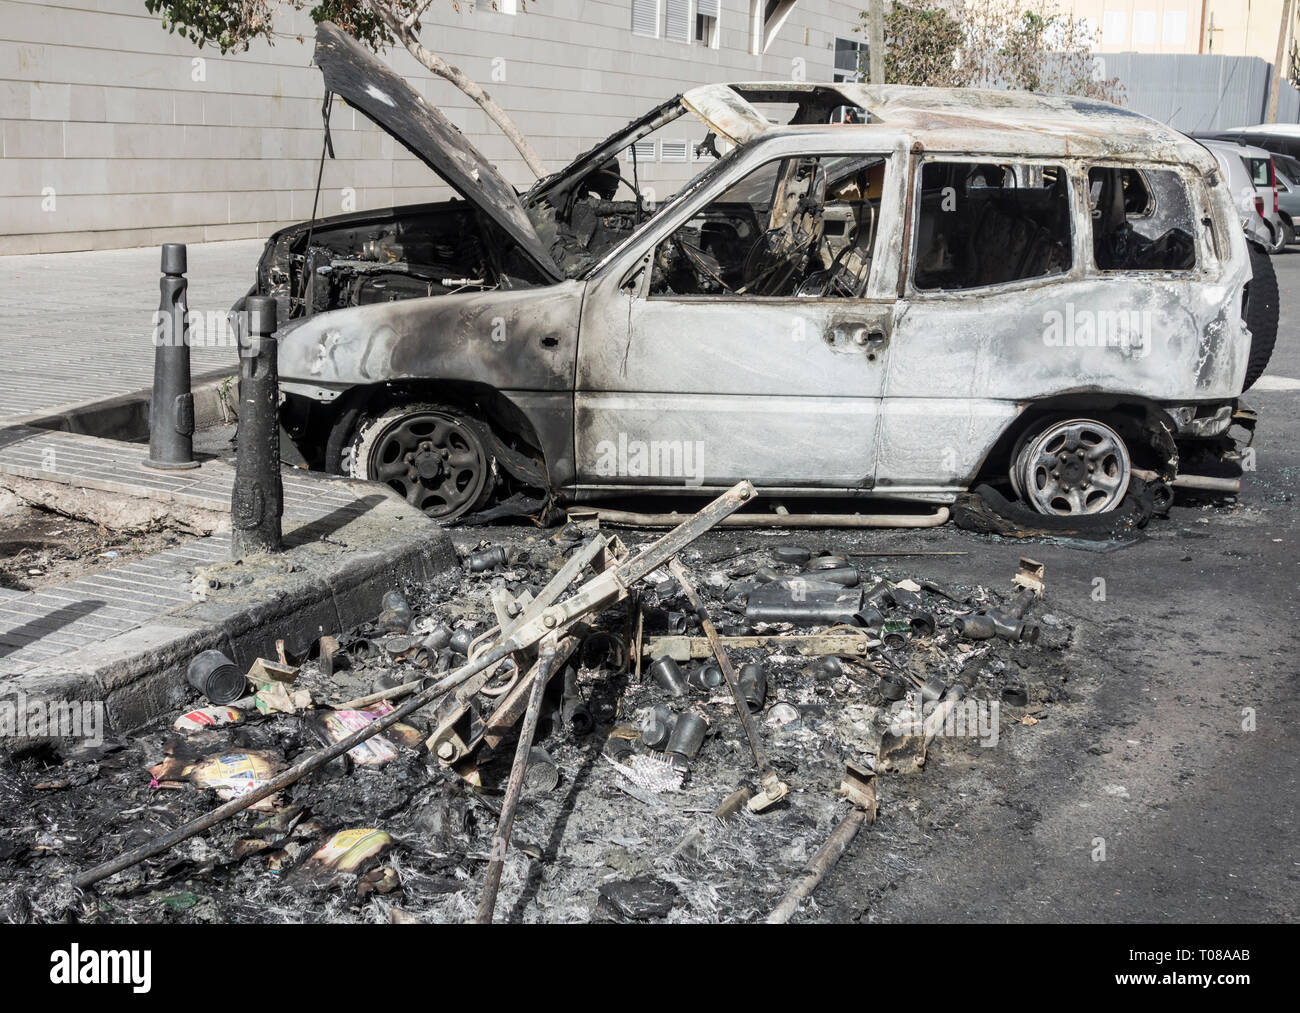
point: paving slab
(79, 326)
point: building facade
(117, 134)
(1210, 27)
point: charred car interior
(845, 292)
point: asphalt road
(1149, 755)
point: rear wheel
(1278, 234)
(432, 455)
(1070, 467)
(1261, 311)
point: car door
(699, 361)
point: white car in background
(1248, 171)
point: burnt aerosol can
(668, 675)
(686, 738)
(753, 685)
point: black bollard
(258, 498)
(171, 406)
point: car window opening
(985, 224)
(796, 227)
(1141, 220)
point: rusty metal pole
(171, 405)
(257, 501)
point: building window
(1144, 28)
(677, 25)
(707, 15)
(850, 59)
(645, 18)
(1175, 28)
(1113, 28)
(508, 6)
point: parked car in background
(1049, 294)
(1279, 138)
(1287, 171)
(1255, 206)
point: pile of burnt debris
(588, 729)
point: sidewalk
(78, 326)
(125, 635)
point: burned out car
(967, 286)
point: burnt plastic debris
(826, 668)
(830, 563)
(895, 632)
(933, 688)
(396, 615)
(845, 576)
(216, 677)
(1015, 696)
(686, 737)
(542, 774)
(667, 674)
(438, 638)
(923, 624)
(753, 685)
(706, 677)
(460, 641)
(802, 602)
(881, 596)
(486, 559)
(795, 554)
(573, 707)
(657, 727)
(987, 625)
(892, 686)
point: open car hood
(369, 85)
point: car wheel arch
(506, 420)
(1143, 424)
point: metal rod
(643, 520)
(838, 842)
(501, 839)
(728, 671)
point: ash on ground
(597, 837)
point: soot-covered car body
(1048, 292)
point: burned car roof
(950, 119)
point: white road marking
(1276, 383)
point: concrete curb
(139, 675)
(125, 417)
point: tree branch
(403, 30)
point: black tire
(1288, 232)
(1261, 314)
(396, 445)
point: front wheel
(432, 455)
(1070, 467)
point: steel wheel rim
(434, 461)
(1075, 468)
